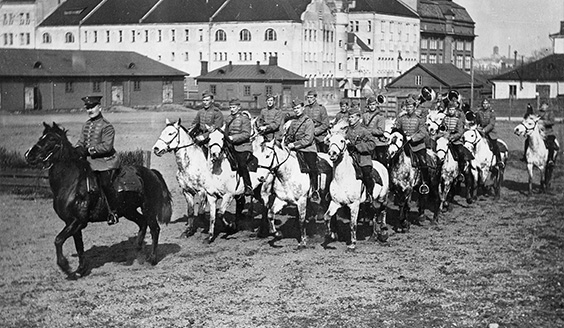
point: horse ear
(167, 122)
(179, 121)
(45, 125)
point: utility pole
(471, 82)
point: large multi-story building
(341, 47)
(18, 20)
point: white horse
(484, 165)
(537, 153)
(346, 190)
(434, 120)
(449, 172)
(225, 183)
(290, 185)
(191, 163)
(405, 178)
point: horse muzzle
(159, 151)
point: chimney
(78, 61)
(230, 66)
(258, 65)
(272, 61)
(204, 69)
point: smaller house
(439, 77)
(33, 79)
(251, 83)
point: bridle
(50, 154)
(341, 150)
(176, 135)
(527, 129)
(271, 167)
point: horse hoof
(351, 248)
(383, 236)
(469, 200)
(301, 247)
(152, 259)
(277, 236)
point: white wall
(528, 90)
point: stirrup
(423, 189)
(550, 163)
(112, 218)
(315, 197)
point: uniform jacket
(300, 133)
(376, 124)
(486, 120)
(238, 127)
(272, 119)
(548, 120)
(318, 114)
(97, 136)
(413, 126)
(341, 116)
(454, 129)
(210, 116)
(359, 136)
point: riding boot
(368, 183)
(108, 194)
(424, 188)
(550, 157)
(460, 176)
(313, 187)
(495, 148)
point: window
(133, 36)
(392, 30)
(69, 87)
(85, 36)
(467, 62)
(459, 60)
(172, 55)
(186, 56)
(423, 43)
(417, 79)
(136, 85)
(120, 36)
(173, 35)
(441, 44)
(46, 38)
(186, 35)
(146, 35)
(268, 90)
(27, 20)
(69, 37)
(201, 33)
(96, 86)
(340, 66)
(213, 89)
(423, 59)
(247, 90)
(432, 44)
(459, 45)
(220, 36)
(27, 38)
(95, 36)
(369, 26)
(270, 35)
(159, 35)
(512, 91)
(107, 36)
(245, 35)
(432, 59)
(468, 46)
(22, 20)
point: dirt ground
(484, 264)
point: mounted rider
(415, 130)
(361, 147)
(485, 121)
(548, 120)
(343, 113)
(300, 137)
(375, 121)
(96, 143)
(209, 115)
(453, 129)
(238, 132)
(318, 113)
(270, 120)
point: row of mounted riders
(282, 172)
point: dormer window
(131, 65)
(37, 65)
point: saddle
(322, 165)
(229, 150)
(127, 179)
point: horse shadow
(126, 253)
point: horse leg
(151, 220)
(69, 230)
(230, 227)
(82, 269)
(211, 230)
(530, 172)
(277, 205)
(354, 207)
(379, 226)
(330, 236)
(302, 206)
(191, 207)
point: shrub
(12, 159)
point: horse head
(442, 148)
(216, 142)
(337, 146)
(471, 138)
(49, 146)
(397, 142)
(434, 121)
(173, 137)
(267, 159)
(528, 126)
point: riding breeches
(242, 162)
(367, 179)
(380, 154)
(105, 179)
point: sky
(523, 25)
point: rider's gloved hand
(82, 151)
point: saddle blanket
(127, 179)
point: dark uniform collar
(97, 117)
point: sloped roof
(113, 12)
(34, 62)
(183, 11)
(353, 39)
(261, 10)
(271, 73)
(550, 68)
(447, 74)
(385, 7)
(436, 9)
(70, 12)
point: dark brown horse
(78, 199)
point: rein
(271, 167)
(177, 135)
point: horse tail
(165, 213)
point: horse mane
(68, 152)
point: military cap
(91, 101)
(207, 94)
(343, 102)
(297, 102)
(268, 96)
(234, 102)
(354, 110)
(312, 93)
(371, 100)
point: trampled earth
(485, 263)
